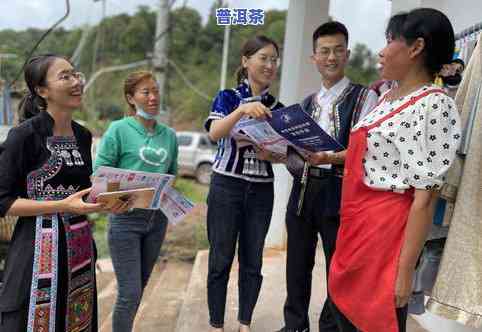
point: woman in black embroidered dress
(45, 164)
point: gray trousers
(135, 240)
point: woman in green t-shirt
(137, 142)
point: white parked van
(196, 155)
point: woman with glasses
(396, 162)
(137, 142)
(240, 199)
(45, 165)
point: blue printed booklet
(289, 126)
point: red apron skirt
(364, 267)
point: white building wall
(462, 13)
(404, 5)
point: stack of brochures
(143, 190)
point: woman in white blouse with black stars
(397, 160)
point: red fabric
(364, 267)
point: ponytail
(30, 105)
(35, 75)
(241, 74)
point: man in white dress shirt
(314, 202)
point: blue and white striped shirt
(232, 160)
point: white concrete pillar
(298, 79)
(462, 13)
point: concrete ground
(161, 302)
(268, 314)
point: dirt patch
(185, 239)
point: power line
(46, 33)
(75, 59)
(86, 31)
(187, 81)
(112, 69)
(140, 63)
(132, 65)
(99, 39)
(98, 46)
(170, 62)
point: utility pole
(159, 59)
(4, 90)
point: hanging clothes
(457, 293)
(465, 45)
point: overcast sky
(365, 19)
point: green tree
(362, 65)
(195, 48)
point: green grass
(191, 189)
(183, 240)
(100, 234)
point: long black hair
(434, 27)
(35, 75)
(252, 46)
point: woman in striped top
(240, 199)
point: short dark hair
(433, 26)
(250, 47)
(330, 29)
(459, 61)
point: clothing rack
(476, 28)
(465, 42)
(465, 37)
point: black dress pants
(344, 325)
(239, 212)
(302, 241)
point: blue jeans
(135, 240)
(237, 209)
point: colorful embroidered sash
(45, 291)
